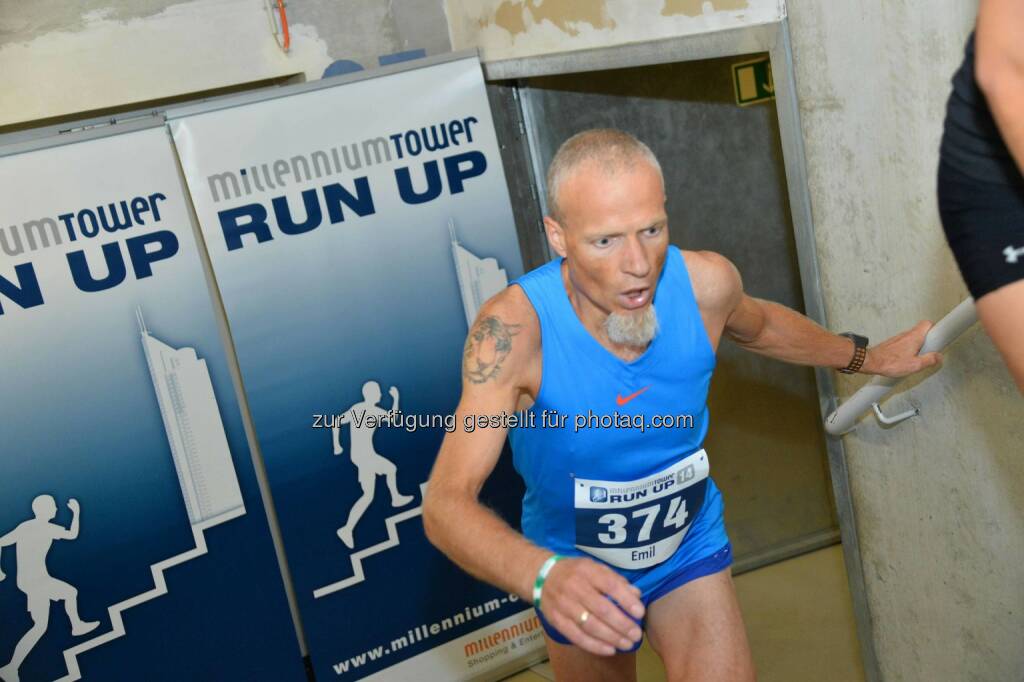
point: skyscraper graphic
(202, 459)
(479, 278)
(194, 428)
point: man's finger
(570, 629)
(616, 587)
(626, 595)
(921, 330)
(600, 629)
(610, 623)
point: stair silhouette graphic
(159, 589)
(391, 524)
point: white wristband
(542, 574)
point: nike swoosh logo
(622, 401)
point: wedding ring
(584, 616)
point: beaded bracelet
(542, 575)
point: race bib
(638, 524)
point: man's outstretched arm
(336, 432)
(9, 539)
(779, 332)
(469, 533)
(6, 541)
(72, 532)
(474, 537)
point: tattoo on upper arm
(488, 344)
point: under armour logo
(1013, 255)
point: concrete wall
(505, 29)
(938, 499)
(60, 58)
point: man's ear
(556, 235)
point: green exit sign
(753, 82)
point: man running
(623, 527)
(33, 539)
(364, 418)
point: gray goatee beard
(632, 329)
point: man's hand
(393, 391)
(575, 586)
(73, 505)
(898, 356)
(338, 449)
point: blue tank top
(609, 481)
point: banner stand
(250, 431)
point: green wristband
(542, 574)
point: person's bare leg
(40, 621)
(572, 664)
(347, 532)
(390, 472)
(69, 595)
(698, 631)
(1002, 314)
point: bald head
(610, 150)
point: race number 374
(640, 523)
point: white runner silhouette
(363, 419)
(33, 540)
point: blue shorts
(709, 565)
(704, 551)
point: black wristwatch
(860, 352)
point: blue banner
(354, 232)
(133, 542)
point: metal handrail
(945, 332)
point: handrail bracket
(895, 419)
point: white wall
(505, 29)
(108, 59)
(60, 58)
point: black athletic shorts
(984, 224)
